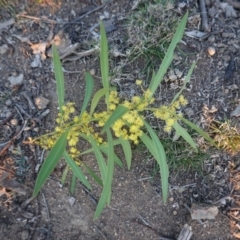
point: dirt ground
(136, 210)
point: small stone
(171, 199)
(24, 235)
(71, 200)
(16, 80)
(8, 102)
(175, 213)
(3, 48)
(14, 122)
(8, 114)
(203, 211)
(211, 51)
(41, 102)
(92, 71)
(211, 39)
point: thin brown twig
(43, 19)
(203, 10)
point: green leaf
(117, 113)
(104, 57)
(187, 79)
(58, 72)
(116, 158)
(199, 130)
(100, 159)
(50, 163)
(73, 184)
(93, 174)
(88, 92)
(100, 93)
(157, 150)
(155, 82)
(184, 134)
(76, 169)
(101, 147)
(127, 152)
(106, 192)
(65, 172)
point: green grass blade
(64, 176)
(169, 55)
(100, 159)
(106, 192)
(198, 130)
(161, 160)
(93, 175)
(73, 184)
(104, 57)
(185, 82)
(127, 152)
(184, 134)
(117, 113)
(88, 92)
(58, 72)
(76, 170)
(50, 163)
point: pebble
(8, 102)
(92, 71)
(3, 48)
(171, 199)
(14, 122)
(8, 114)
(211, 39)
(174, 213)
(41, 102)
(211, 51)
(24, 235)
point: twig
(48, 216)
(203, 10)
(23, 111)
(88, 13)
(43, 19)
(29, 99)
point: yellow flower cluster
(129, 126)
(168, 113)
(76, 126)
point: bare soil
(136, 210)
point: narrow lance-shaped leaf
(117, 113)
(199, 130)
(104, 61)
(106, 192)
(127, 152)
(184, 134)
(169, 55)
(73, 184)
(50, 163)
(100, 159)
(97, 96)
(93, 174)
(64, 176)
(58, 72)
(88, 92)
(76, 170)
(187, 79)
(161, 160)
